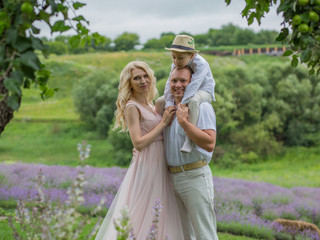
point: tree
(19, 40)
(301, 20)
(126, 41)
(94, 98)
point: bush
(161, 84)
(58, 48)
(245, 230)
(94, 99)
(122, 147)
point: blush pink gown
(147, 180)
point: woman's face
(140, 81)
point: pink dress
(147, 180)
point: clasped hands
(181, 111)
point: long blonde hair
(125, 91)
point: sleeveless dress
(147, 180)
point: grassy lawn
(52, 143)
(297, 167)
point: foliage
(246, 230)
(122, 147)
(126, 41)
(125, 230)
(164, 41)
(227, 35)
(94, 98)
(19, 40)
(58, 48)
(267, 107)
(301, 28)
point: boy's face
(181, 59)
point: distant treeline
(228, 35)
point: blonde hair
(125, 91)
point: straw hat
(183, 43)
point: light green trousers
(195, 196)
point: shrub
(161, 84)
(122, 147)
(94, 99)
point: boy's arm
(198, 80)
(167, 92)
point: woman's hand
(168, 115)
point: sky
(149, 18)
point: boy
(201, 88)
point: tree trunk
(6, 113)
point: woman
(147, 178)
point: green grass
(6, 233)
(52, 143)
(299, 166)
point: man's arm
(205, 139)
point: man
(191, 175)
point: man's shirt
(174, 137)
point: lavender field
(236, 201)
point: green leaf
(28, 72)
(287, 53)
(37, 43)
(13, 101)
(294, 61)
(59, 26)
(283, 34)
(35, 30)
(30, 59)
(74, 41)
(27, 83)
(78, 5)
(4, 21)
(22, 44)
(283, 7)
(45, 17)
(305, 55)
(79, 18)
(11, 36)
(251, 18)
(14, 82)
(311, 72)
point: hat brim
(181, 50)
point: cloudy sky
(150, 18)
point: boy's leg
(160, 105)
(199, 97)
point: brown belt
(188, 167)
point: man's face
(180, 78)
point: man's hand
(182, 113)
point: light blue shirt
(201, 79)
(174, 137)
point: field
(47, 132)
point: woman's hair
(125, 91)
